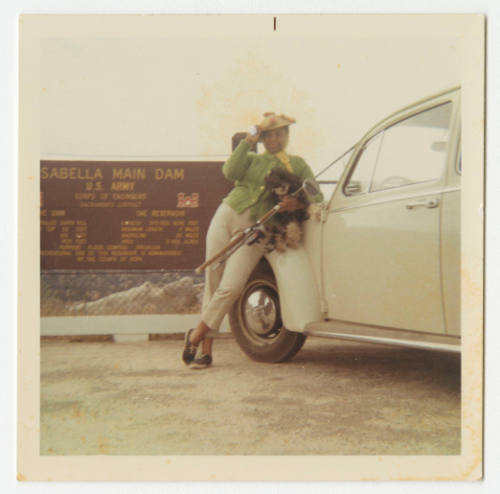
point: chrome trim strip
(385, 341)
(400, 197)
(449, 96)
(451, 189)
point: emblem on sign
(188, 201)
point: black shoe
(204, 361)
(189, 349)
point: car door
(381, 239)
(451, 243)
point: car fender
(298, 290)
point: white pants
(225, 282)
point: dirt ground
(333, 398)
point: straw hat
(272, 121)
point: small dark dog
(288, 232)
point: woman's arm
(237, 164)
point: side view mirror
(311, 187)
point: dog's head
(282, 183)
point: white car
(383, 263)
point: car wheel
(255, 321)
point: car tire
(255, 321)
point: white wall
(186, 91)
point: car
(382, 265)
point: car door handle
(425, 203)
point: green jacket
(248, 171)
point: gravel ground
(333, 398)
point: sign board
(127, 215)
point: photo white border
(381, 7)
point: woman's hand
(291, 204)
(269, 120)
(253, 138)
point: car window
(330, 177)
(413, 150)
(359, 182)
(409, 152)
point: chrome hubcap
(261, 310)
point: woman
(248, 201)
